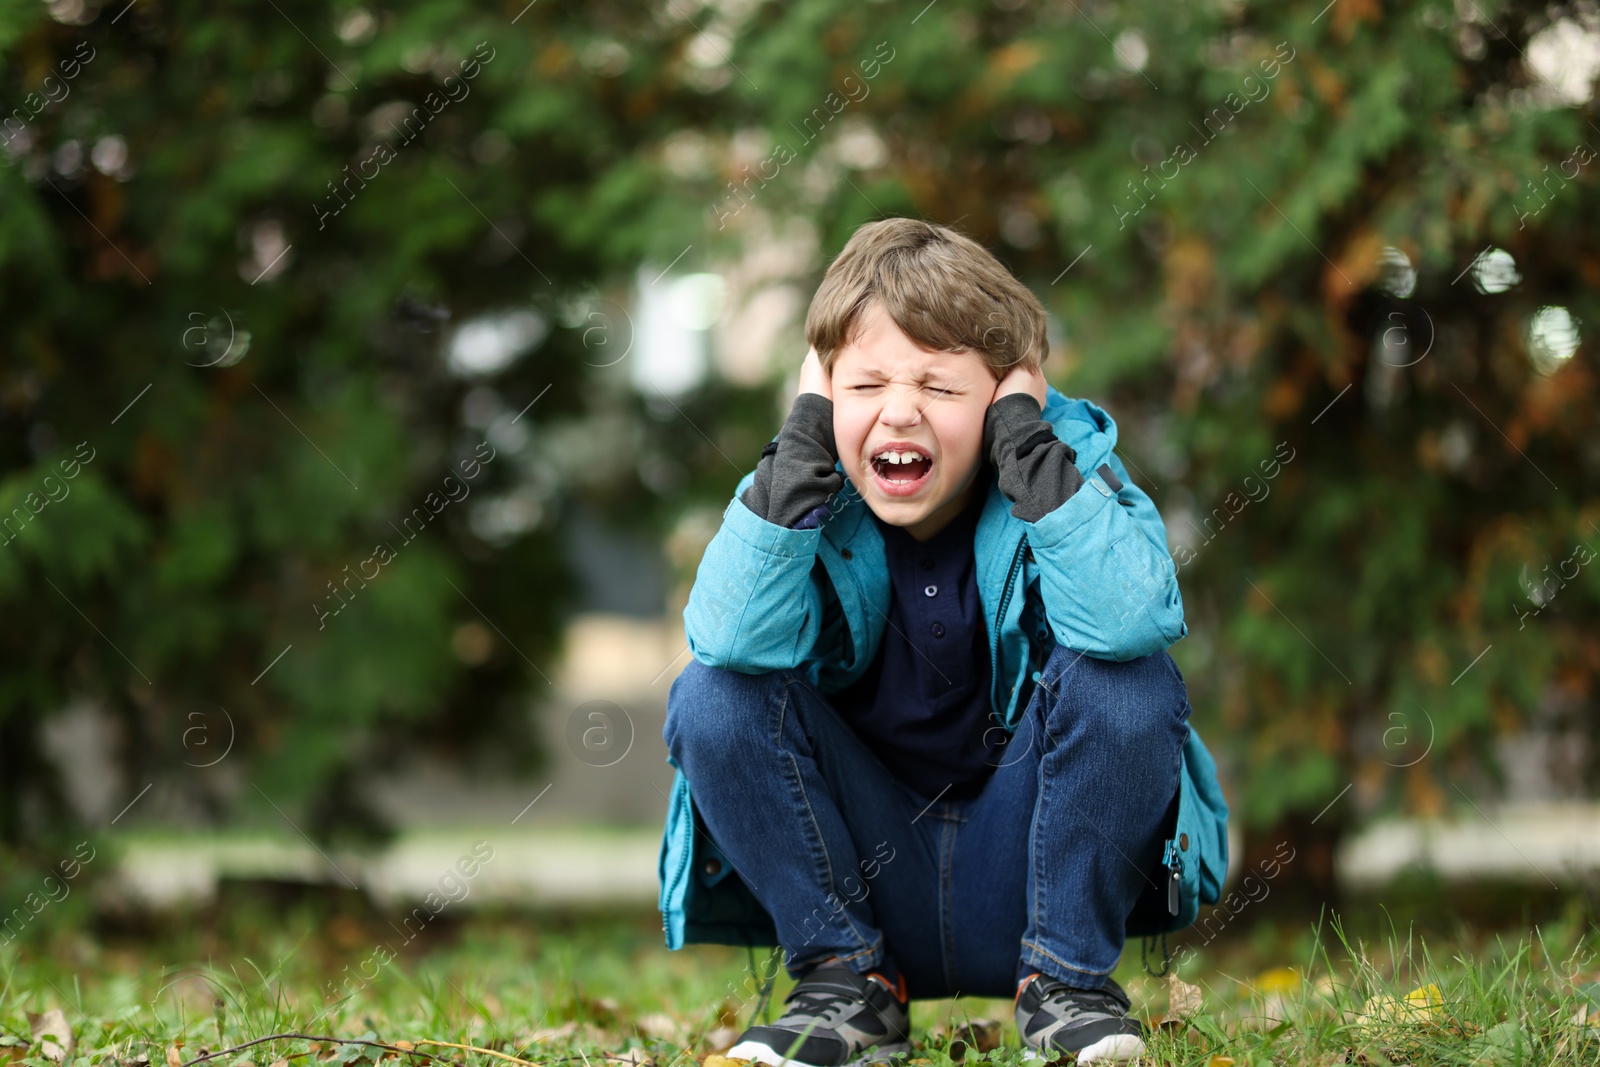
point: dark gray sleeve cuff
(1036, 470)
(796, 471)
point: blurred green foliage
(254, 426)
(1254, 224)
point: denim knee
(717, 714)
(1127, 705)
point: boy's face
(887, 390)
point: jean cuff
(861, 962)
(1036, 958)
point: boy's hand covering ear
(813, 378)
(1035, 469)
(795, 475)
(1023, 378)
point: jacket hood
(1060, 409)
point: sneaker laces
(1097, 998)
(812, 1001)
(1111, 999)
(817, 1001)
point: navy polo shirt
(923, 705)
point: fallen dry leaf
(1183, 1000)
(1278, 980)
(51, 1024)
(660, 1026)
(174, 1055)
(980, 1035)
(985, 1035)
(715, 1060)
(722, 1038)
(552, 1033)
(1580, 1029)
(1421, 1005)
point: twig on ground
(352, 1041)
(475, 1048)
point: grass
(570, 989)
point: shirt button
(938, 629)
(932, 590)
(927, 564)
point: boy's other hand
(813, 379)
(1021, 378)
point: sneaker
(833, 1017)
(1054, 1018)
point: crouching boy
(930, 741)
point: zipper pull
(1175, 882)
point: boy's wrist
(1017, 406)
(1010, 419)
(811, 414)
(796, 471)
(1035, 469)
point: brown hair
(943, 289)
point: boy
(937, 737)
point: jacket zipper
(683, 863)
(1000, 613)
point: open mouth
(901, 471)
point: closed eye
(931, 389)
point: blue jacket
(1094, 575)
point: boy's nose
(902, 407)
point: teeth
(900, 457)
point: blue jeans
(1038, 872)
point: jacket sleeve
(1036, 470)
(754, 606)
(1109, 584)
(796, 472)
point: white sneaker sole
(764, 1053)
(1113, 1049)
